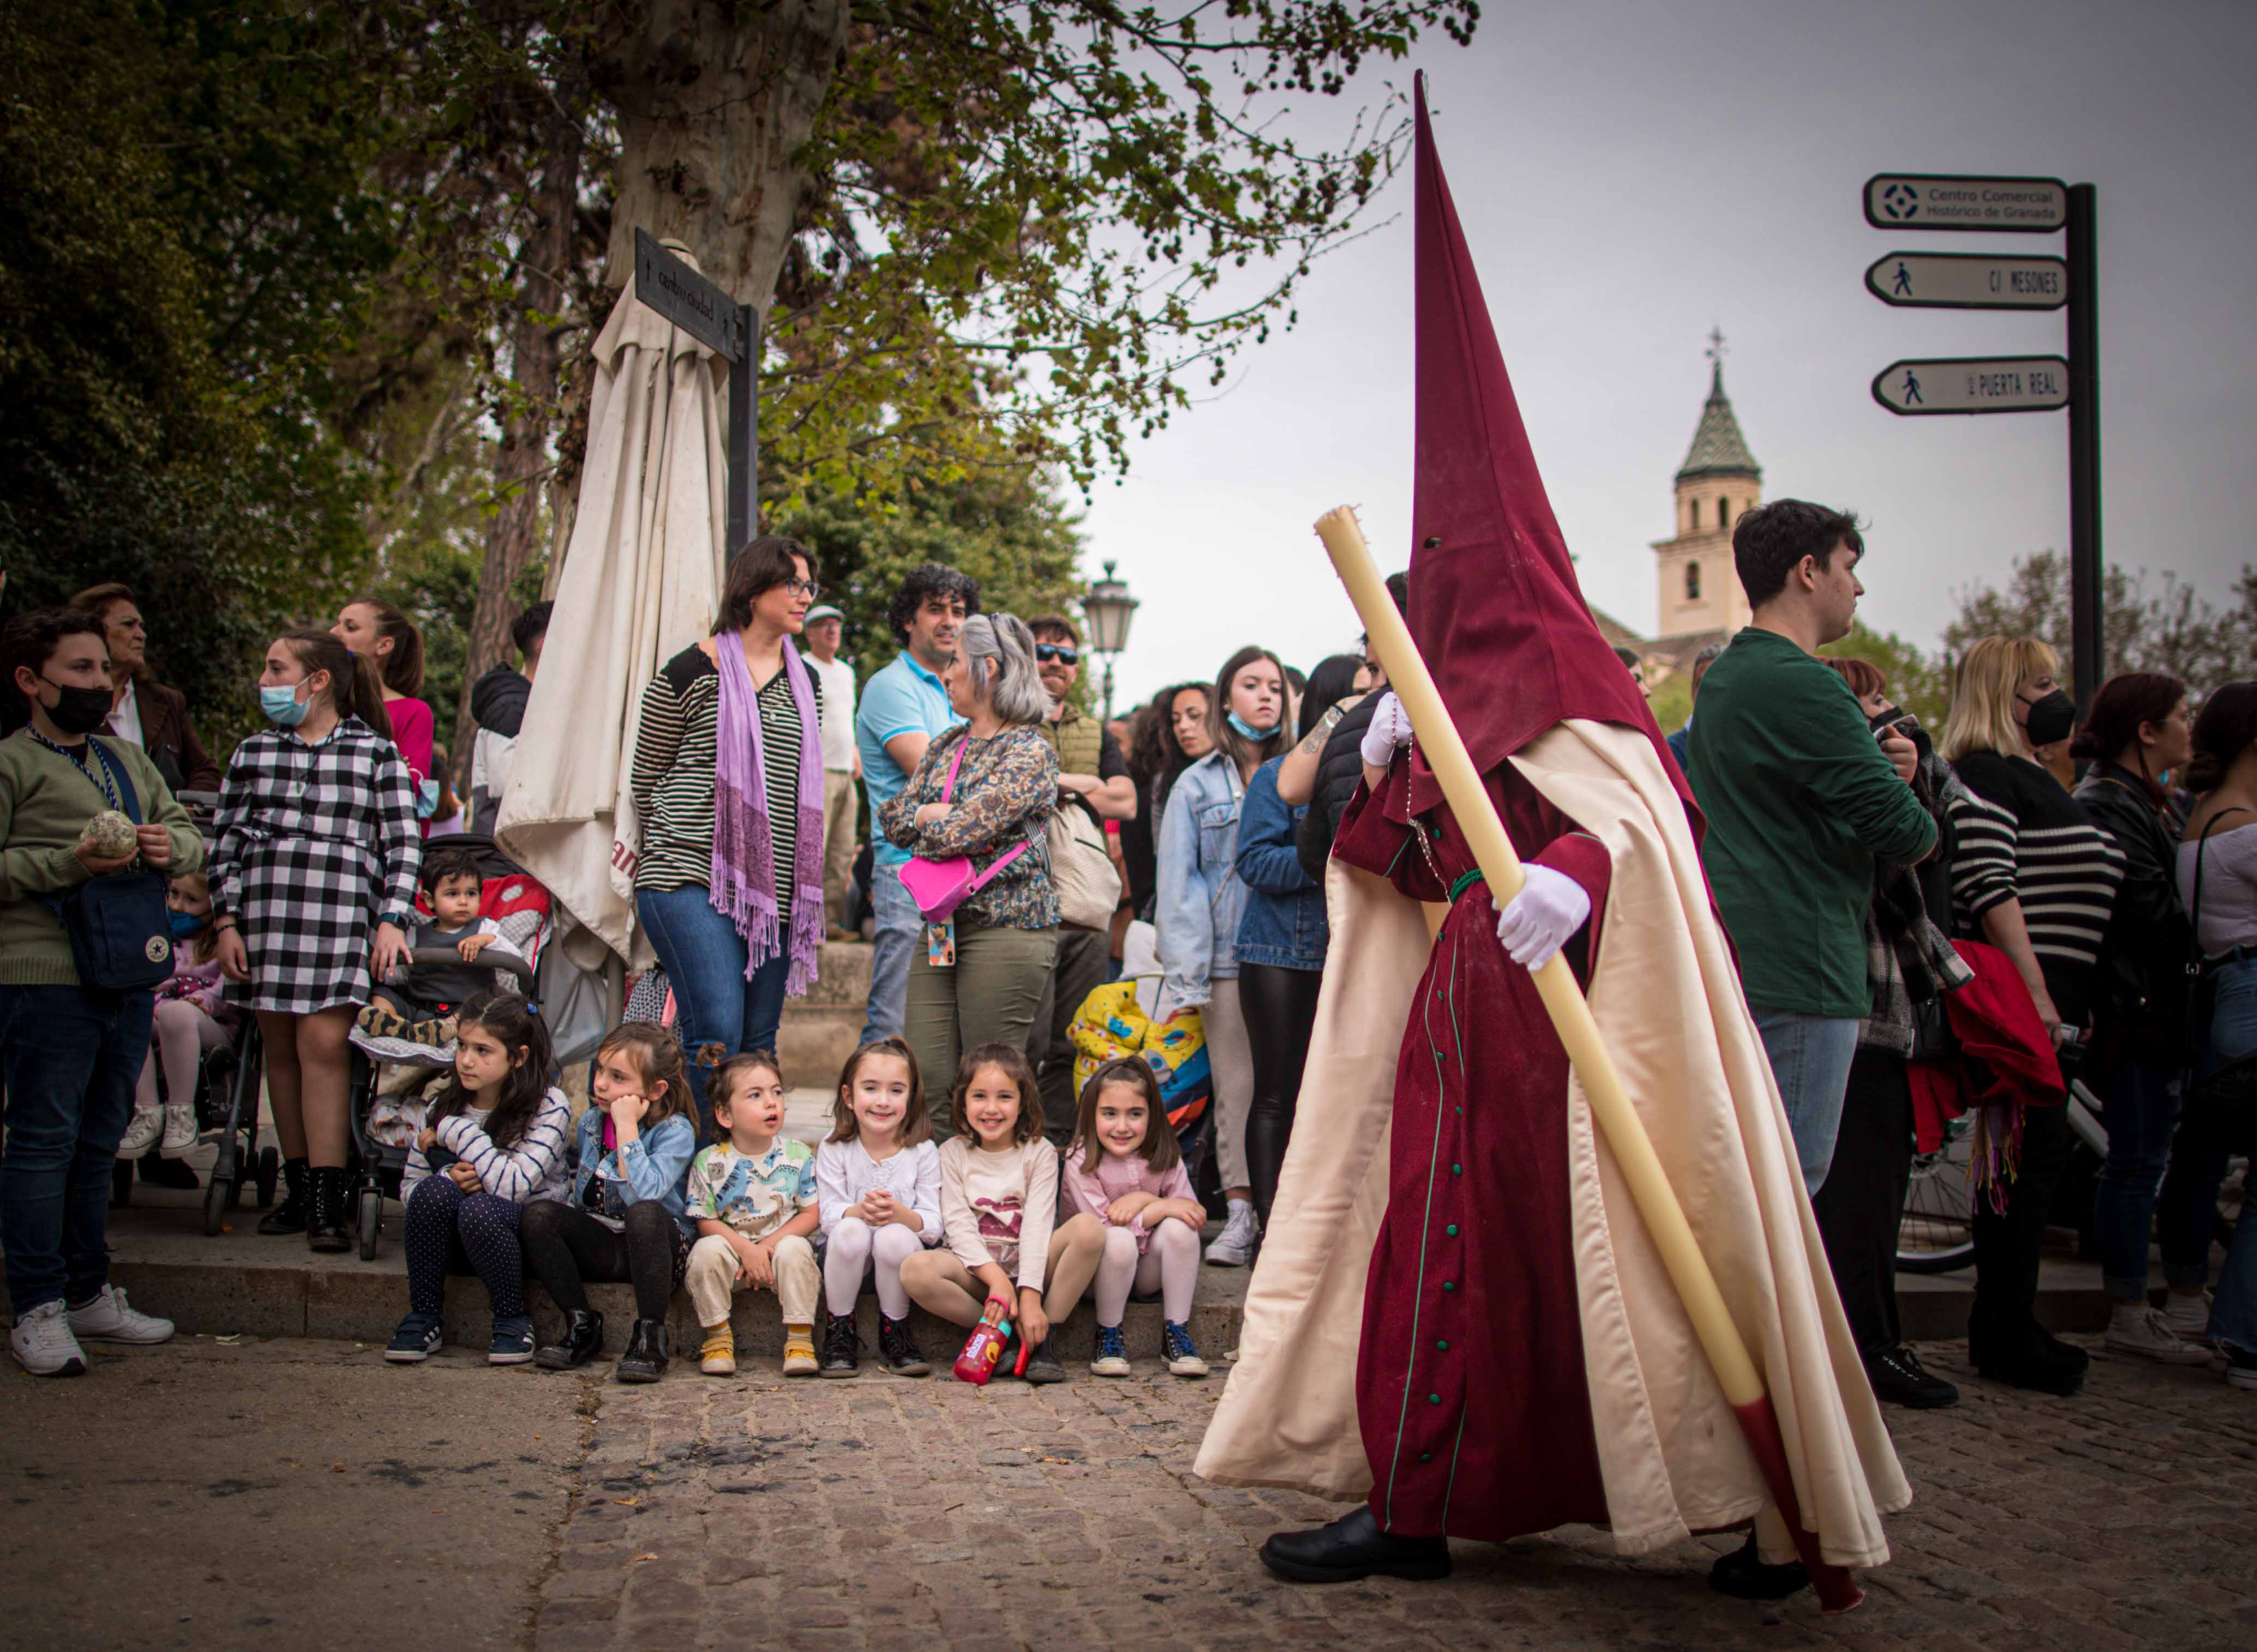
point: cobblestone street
(296, 1493)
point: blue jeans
(1810, 1056)
(2140, 1109)
(899, 926)
(71, 1059)
(2232, 1036)
(719, 1013)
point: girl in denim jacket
(1201, 901)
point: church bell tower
(1719, 479)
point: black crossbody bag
(121, 934)
(2217, 1110)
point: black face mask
(2052, 717)
(78, 711)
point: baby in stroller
(409, 1024)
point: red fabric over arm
(1371, 841)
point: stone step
(813, 1044)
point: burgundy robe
(1471, 1391)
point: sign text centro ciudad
(1974, 384)
(1917, 201)
(1969, 281)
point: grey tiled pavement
(882, 1514)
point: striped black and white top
(672, 780)
(535, 1166)
(2020, 837)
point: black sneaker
(583, 1340)
(842, 1349)
(1899, 1378)
(897, 1350)
(646, 1358)
(416, 1340)
(511, 1343)
(1043, 1365)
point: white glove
(1388, 732)
(1542, 918)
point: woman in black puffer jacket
(2136, 730)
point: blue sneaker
(1112, 1353)
(1175, 1345)
(416, 1340)
(512, 1341)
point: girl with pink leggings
(190, 1022)
(1124, 1168)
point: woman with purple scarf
(728, 790)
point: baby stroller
(226, 1102)
(385, 1126)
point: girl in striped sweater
(494, 1142)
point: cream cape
(1668, 1000)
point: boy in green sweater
(70, 1054)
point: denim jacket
(1201, 897)
(1284, 924)
(653, 1166)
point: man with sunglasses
(1094, 775)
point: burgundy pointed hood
(1495, 606)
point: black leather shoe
(327, 1227)
(842, 1349)
(1743, 1576)
(1043, 1365)
(1353, 1547)
(2027, 1358)
(289, 1216)
(1899, 1378)
(646, 1358)
(583, 1341)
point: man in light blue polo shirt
(904, 708)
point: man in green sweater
(71, 1054)
(1800, 798)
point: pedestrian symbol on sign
(1904, 278)
(1911, 387)
(1900, 201)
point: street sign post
(2016, 384)
(732, 331)
(1924, 200)
(1968, 281)
(1974, 384)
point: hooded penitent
(1458, 1313)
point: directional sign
(686, 299)
(1912, 201)
(1974, 384)
(1969, 281)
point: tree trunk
(513, 535)
(714, 100)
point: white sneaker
(180, 1131)
(42, 1344)
(2188, 1316)
(107, 1318)
(141, 1132)
(2135, 1328)
(1234, 1246)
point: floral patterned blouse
(1005, 795)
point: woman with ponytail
(380, 634)
(312, 883)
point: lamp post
(1108, 607)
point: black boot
(2026, 1357)
(327, 1228)
(157, 1171)
(897, 1351)
(1353, 1547)
(583, 1341)
(646, 1358)
(842, 1349)
(289, 1216)
(1744, 1575)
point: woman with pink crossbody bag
(974, 815)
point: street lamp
(1108, 607)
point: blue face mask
(1247, 730)
(186, 925)
(281, 704)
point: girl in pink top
(190, 1021)
(388, 636)
(1123, 1167)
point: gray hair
(1000, 651)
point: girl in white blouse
(877, 1185)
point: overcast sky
(1629, 173)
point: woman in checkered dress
(312, 883)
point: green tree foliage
(1921, 685)
(2166, 627)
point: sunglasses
(1047, 652)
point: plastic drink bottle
(977, 1363)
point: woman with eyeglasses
(728, 795)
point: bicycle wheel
(1936, 1234)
